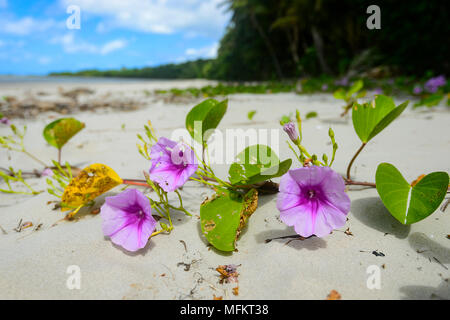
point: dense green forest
(287, 39)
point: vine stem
(33, 157)
(359, 183)
(135, 182)
(59, 156)
(353, 160)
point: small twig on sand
(184, 244)
(444, 266)
(445, 205)
(293, 237)
(19, 226)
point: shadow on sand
(441, 292)
(373, 213)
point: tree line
(287, 39)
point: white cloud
(202, 17)
(25, 26)
(71, 45)
(204, 52)
(112, 46)
(44, 60)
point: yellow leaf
(91, 182)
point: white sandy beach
(33, 264)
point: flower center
(181, 153)
(140, 213)
(311, 194)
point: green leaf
(251, 114)
(255, 164)
(208, 113)
(371, 118)
(430, 101)
(311, 114)
(356, 86)
(285, 119)
(391, 116)
(339, 94)
(60, 131)
(224, 216)
(361, 94)
(410, 204)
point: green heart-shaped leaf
(369, 119)
(430, 101)
(410, 204)
(62, 130)
(255, 164)
(224, 216)
(340, 94)
(356, 86)
(208, 113)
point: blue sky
(35, 39)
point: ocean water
(61, 79)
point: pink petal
(288, 184)
(310, 176)
(287, 200)
(334, 190)
(301, 218)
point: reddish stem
(135, 182)
(359, 183)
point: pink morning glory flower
(417, 90)
(5, 120)
(378, 91)
(127, 219)
(342, 82)
(433, 84)
(313, 200)
(172, 164)
(47, 172)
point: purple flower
(127, 219)
(5, 120)
(313, 200)
(47, 172)
(324, 87)
(290, 129)
(378, 91)
(433, 84)
(172, 164)
(342, 82)
(417, 90)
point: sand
(34, 263)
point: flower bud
(290, 129)
(331, 133)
